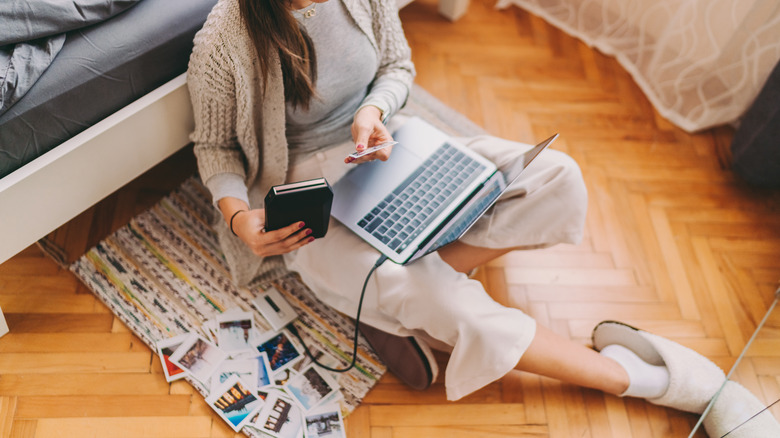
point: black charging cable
(294, 331)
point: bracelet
(231, 221)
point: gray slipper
(737, 413)
(693, 379)
(409, 358)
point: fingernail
(301, 224)
(360, 146)
(311, 239)
(309, 231)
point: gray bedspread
(32, 32)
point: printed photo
(165, 349)
(245, 369)
(256, 336)
(209, 329)
(334, 399)
(264, 372)
(254, 419)
(282, 377)
(325, 423)
(234, 331)
(279, 417)
(235, 403)
(199, 357)
(323, 358)
(311, 386)
(281, 351)
(306, 361)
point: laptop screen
(512, 172)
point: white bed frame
(54, 188)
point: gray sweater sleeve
(387, 94)
(224, 185)
(396, 72)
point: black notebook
(307, 201)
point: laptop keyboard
(475, 210)
(399, 218)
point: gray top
(346, 66)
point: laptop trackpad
(381, 177)
(367, 184)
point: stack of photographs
(259, 382)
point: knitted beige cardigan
(240, 127)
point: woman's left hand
(368, 130)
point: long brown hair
(272, 26)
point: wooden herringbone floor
(675, 243)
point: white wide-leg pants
(427, 298)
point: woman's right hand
(249, 227)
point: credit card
(372, 149)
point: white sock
(645, 380)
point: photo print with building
(235, 403)
(280, 417)
(199, 357)
(325, 422)
(311, 386)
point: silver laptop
(428, 194)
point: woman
(282, 91)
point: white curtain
(700, 62)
